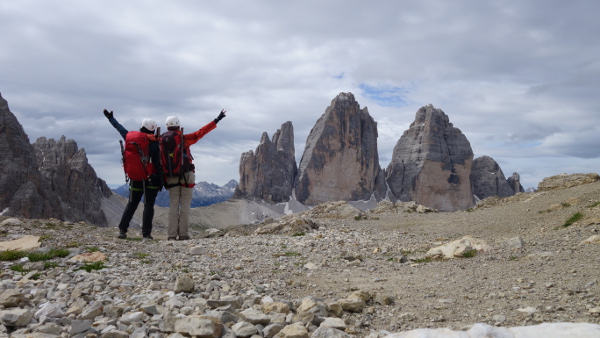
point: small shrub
(11, 255)
(513, 258)
(470, 253)
(92, 249)
(576, 217)
(594, 205)
(299, 234)
(291, 254)
(39, 256)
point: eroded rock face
(22, 188)
(488, 179)
(515, 183)
(268, 173)
(340, 161)
(48, 179)
(73, 179)
(431, 164)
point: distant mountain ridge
(204, 194)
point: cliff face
(431, 163)
(72, 178)
(489, 180)
(340, 161)
(268, 173)
(23, 190)
(48, 179)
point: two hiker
(151, 161)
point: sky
(521, 79)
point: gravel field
(536, 270)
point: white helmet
(172, 121)
(149, 124)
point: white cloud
(520, 79)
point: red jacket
(194, 137)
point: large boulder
(488, 179)
(268, 173)
(431, 163)
(340, 161)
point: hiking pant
(180, 200)
(137, 189)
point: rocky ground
(333, 271)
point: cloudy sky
(521, 79)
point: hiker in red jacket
(179, 172)
(147, 184)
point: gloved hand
(156, 181)
(221, 116)
(108, 114)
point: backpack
(136, 156)
(174, 156)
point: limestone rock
(68, 172)
(23, 190)
(48, 179)
(458, 248)
(563, 181)
(431, 163)
(488, 179)
(268, 173)
(340, 161)
(515, 183)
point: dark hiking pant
(137, 189)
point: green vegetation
(19, 268)
(89, 266)
(92, 249)
(299, 234)
(513, 258)
(11, 255)
(594, 205)
(141, 255)
(576, 217)
(291, 254)
(470, 253)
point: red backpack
(175, 157)
(136, 156)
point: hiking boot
(122, 234)
(172, 238)
(148, 237)
(184, 238)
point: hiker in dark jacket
(148, 188)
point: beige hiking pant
(180, 200)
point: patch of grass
(72, 245)
(284, 246)
(576, 217)
(141, 255)
(11, 255)
(424, 260)
(291, 254)
(594, 205)
(513, 258)
(46, 256)
(92, 249)
(565, 204)
(360, 217)
(89, 266)
(299, 234)
(470, 253)
(44, 237)
(19, 268)
(50, 265)
(470, 210)
(139, 239)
